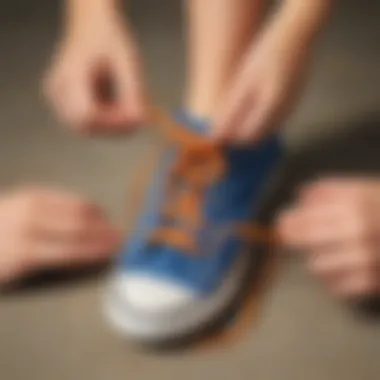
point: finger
(81, 106)
(232, 112)
(311, 226)
(130, 90)
(71, 218)
(75, 227)
(257, 123)
(329, 223)
(318, 190)
(356, 285)
(72, 97)
(110, 114)
(98, 245)
(329, 263)
(342, 187)
(57, 212)
(67, 218)
(345, 258)
(56, 90)
(62, 201)
(342, 271)
(335, 227)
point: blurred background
(58, 332)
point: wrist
(80, 13)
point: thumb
(130, 89)
(79, 106)
(231, 113)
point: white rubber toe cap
(151, 294)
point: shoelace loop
(199, 165)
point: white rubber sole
(136, 325)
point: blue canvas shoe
(193, 246)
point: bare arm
(273, 72)
(97, 50)
(302, 20)
(76, 10)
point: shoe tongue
(192, 122)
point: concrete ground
(58, 332)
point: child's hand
(264, 90)
(337, 223)
(41, 228)
(271, 74)
(95, 82)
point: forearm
(301, 20)
(78, 12)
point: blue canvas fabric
(233, 198)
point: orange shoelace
(199, 165)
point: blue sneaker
(191, 250)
